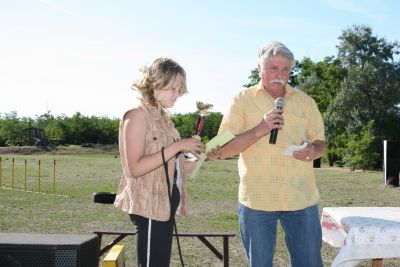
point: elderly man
(275, 186)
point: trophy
(203, 108)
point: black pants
(158, 233)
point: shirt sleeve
(233, 119)
(316, 128)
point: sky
(68, 56)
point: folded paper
(290, 149)
(218, 140)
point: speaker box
(317, 163)
(45, 250)
(391, 162)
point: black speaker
(48, 250)
(391, 162)
(317, 163)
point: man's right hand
(273, 119)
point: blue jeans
(302, 235)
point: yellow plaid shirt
(269, 180)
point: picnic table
(362, 233)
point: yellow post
(25, 177)
(39, 175)
(12, 174)
(1, 184)
(115, 257)
(54, 176)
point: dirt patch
(24, 150)
(64, 150)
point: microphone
(279, 103)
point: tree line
(357, 92)
(80, 129)
(59, 130)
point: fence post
(39, 175)
(54, 176)
(12, 174)
(25, 177)
(1, 166)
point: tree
(254, 78)
(108, 130)
(370, 92)
(358, 46)
(12, 129)
(359, 153)
(186, 124)
(77, 129)
(321, 80)
(56, 131)
(44, 119)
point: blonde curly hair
(157, 76)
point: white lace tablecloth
(362, 233)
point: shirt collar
(289, 90)
(154, 111)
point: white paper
(290, 149)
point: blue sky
(66, 56)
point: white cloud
(56, 6)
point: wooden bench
(202, 237)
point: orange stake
(39, 175)
(1, 184)
(25, 177)
(12, 174)
(54, 176)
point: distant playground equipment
(30, 173)
(35, 136)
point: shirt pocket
(155, 140)
(295, 129)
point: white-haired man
(274, 186)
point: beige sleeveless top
(147, 195)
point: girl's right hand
(191, 145)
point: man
(274, 186)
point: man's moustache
(278, 81)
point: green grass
(213, 202)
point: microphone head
(279, 102)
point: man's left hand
(305, 154)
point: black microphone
(279, 103)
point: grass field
(213, 202)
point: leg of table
(226, 251)
(377, 262)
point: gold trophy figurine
(203, 108)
